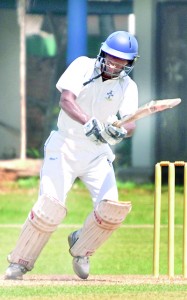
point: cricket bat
(147, 109)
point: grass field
(127, 254)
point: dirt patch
(21, 167)
(13, 169)
(47, 280)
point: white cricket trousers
(66, 159)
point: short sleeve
(130, 101)
(74, 76)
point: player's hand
(103, 133)
(113, 135)
(93, 129)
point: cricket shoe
(15, 272)
(81, 264)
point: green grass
(99, 292)
(128, 251)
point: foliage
(33, 153)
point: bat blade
(149, 109)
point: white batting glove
(99, 133)
(113, 135)
(92, 130)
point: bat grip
(117, 124)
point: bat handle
(117, 124)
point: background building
(161, 29)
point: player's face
(113, 66)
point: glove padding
(113, 135)
(93, 129)
(100, 133)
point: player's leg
(107, 216)
(42, 221)
(100, 224)
(100, 181)
(45, 216)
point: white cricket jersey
(99, 99)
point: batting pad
(99, 225)
(42, 221)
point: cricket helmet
(120, 44)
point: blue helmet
(120, 44)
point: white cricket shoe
(15, 272)
(81, 264)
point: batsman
(94, 91)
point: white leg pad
(99, 225)
(44, 218)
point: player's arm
(94, 129)
(73, 110)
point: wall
(144, 75)
(9, 85)
(143, 140)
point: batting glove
(104, 133)
(113, 135)
(93, 129)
